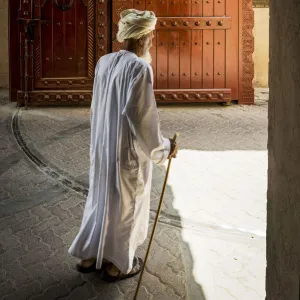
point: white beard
(147, 57)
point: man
(125, 140)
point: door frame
(103, 41)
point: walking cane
(155, 224)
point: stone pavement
(210, 247)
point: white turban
(135, 23)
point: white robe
(125, 140)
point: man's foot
(86, 265)
(113, 274)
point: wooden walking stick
(155, 223)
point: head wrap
(135, 23)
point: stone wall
(261, 50)
(283, 232)
(4, 68)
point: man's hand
(173, 150)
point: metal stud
(207, 74)
(70, 58)
(185, 23)
(220, 23)
(219, 73)
(81, 57)
(197, 23)
(69, 23)
(173, 74)
(208, 23)
(162, 74)
(174, 23)
(58, 23)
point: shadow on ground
(40, 217)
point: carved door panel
(60, 42)
(197, 53)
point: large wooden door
(202, 48)
(59, 44)
(197, 50)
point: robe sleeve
(141, 112)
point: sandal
(137, 263)
(91, 268)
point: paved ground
(211, 239)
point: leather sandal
(91, 268)
(137, 267)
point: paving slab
(210, 242)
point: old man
(125, 140)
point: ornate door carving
(60, 42)
(199, 52)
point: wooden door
(202, 48)
(197, 48)
(60, 42)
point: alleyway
(210, 243)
